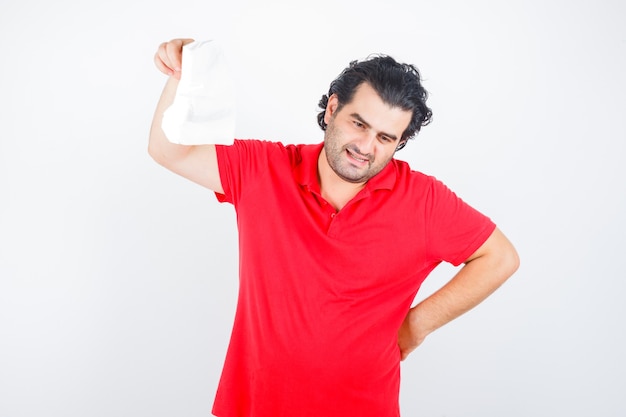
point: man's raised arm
(197, 163)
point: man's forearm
(159, 147)
(480, 277)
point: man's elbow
(509, 260)
(166, 154)
(155, 153)
(514, 261)
(504, 257)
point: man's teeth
(356, 157)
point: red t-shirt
(323, 293)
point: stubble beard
(336, 157)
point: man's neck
(337, 191)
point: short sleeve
(455, 229)
(240, 164)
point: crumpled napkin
(203, 110)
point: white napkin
(203, 111)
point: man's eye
(358, 124)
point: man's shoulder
(406, 173)
(275, 144)
(294, 152)
(275, 155)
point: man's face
(362, 136)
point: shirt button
(332, 215)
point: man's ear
(331, 108)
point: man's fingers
(162, 62)
(163, 58)
(174, 54)
(168, 58)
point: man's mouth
(358, 158)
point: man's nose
(366, 143)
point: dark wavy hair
(397, 84)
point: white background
(118, 279)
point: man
(335, 240)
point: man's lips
(358, 158)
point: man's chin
(354, 178)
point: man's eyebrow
(360, 119)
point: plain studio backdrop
(118, 279)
